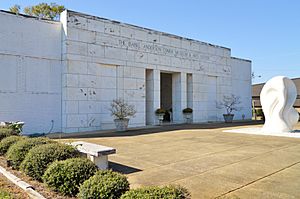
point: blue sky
(264, 31)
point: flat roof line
(242, 59)
(28, 16)
(148, 29)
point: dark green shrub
(260, 113)
(66, 176)
(160, 111)
(7, 142)
(187, 110)
(40, 157)
(105, 184)
(16, 126)
(6, 132)
(17, 152)
(168, 192)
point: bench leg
(101, 161)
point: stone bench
(95, 152)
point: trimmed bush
(7, 142)
(66, 176)
(40, 157)
(169, 192)
(17, 152)
(16, 126)
(187, 110)
(105, 184)
(160, 111)
(260, 113)
(6, 132)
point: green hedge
(105, 185)
(17, 152)
(259, 112)
(67, 176)
(6, 132)
(168, 192)
(187, 110)
(40, 157)
(7, 142)
(160, 111)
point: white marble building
(62, 76)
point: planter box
(188, 117)
(228, 118)
(121, 125)
(160, 118)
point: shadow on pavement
(150, 130)
(122, 168)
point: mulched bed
(10, 187)
(38, 186)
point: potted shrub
(17, 126)
(187, 112)
(230, 103)
(160, 112)
(259, 112)
(121, 111)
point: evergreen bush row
(7, 142)
(17, 152)
(67, 176)
(38, 158)
(6, 132)
(104, 184)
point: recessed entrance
(166, 95)
(172, 91)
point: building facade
(62, 76)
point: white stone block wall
(30, 73)
(152, 95)
(108, 75)
(130, 50)
(179, 86)
(241, 86)
(70, 71)
(200, 98)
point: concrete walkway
(209, 162)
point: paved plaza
(209, 162)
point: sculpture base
(258, 131)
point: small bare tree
(122, 110)
(230, 103)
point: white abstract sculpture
(277, 99)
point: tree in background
(15, 9)
(42, 10)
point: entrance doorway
(166, 95)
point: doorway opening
(166, 95)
